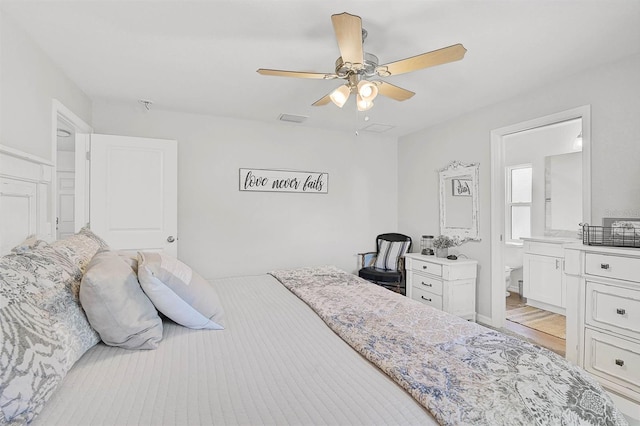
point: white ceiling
(202, 56)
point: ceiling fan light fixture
(363, 104)
(367, 90)
(340, 95)
(357, 66)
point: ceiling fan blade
(348, 29)
(429, 59)
(393, 92)
(323, 101)
(297, 74)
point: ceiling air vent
(292, 118)
(377, 128)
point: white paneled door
(65, 214)
(134, 192)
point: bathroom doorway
(65, 179)
(523, 156)
(69, 197)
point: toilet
(507, 279)
(509, 272)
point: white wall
(29, 81)
(225, 232)
(1, 49)
(611, 90)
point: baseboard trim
(483, 319)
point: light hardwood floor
(545, 340)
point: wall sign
(267, 180)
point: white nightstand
(448, 285)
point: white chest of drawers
(603, 318)
(448, 285)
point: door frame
(82, 132)
(498, 194)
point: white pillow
(179, 292)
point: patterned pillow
(43, 329)
(388, 254)
(80, 249)
(30, 242)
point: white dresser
(603, 318)
(448, 285)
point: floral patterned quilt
(463, 373)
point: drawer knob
(619, 362)
(620, 311)
(604, 266)
(424, 267)
(427, 284)
(428, 300)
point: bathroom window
(518, 214)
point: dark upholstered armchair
(385, 266)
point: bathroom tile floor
(548, 341)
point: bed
(303, 346)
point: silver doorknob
(171, 239)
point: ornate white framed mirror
(459, 201)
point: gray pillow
(116, 306)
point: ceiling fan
(356, 66)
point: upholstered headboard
(25, 194)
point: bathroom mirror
(459, 201)
(563, 194)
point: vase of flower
(442, 243)
(442, 252)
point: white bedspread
(275, 363)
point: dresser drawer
(431, 299)
(612, 358)
(614, 308)
(429, 268)
(622, 268)
(427, 283)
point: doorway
(501, 216)
(65, 179)
(69, 197)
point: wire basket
(611, 236)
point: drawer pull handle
(604, 266)
(425, 267)
(619, 362)
(427, 284)
(620, 311)
(428, 300)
